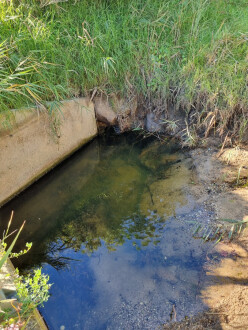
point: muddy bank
(190, 124)
(221, 185)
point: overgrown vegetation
(192, 52)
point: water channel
(112, 227)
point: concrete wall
(38, 142)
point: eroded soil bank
(222, 186)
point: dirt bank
(222, 185)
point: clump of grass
(22, 82)
(193, 52)
(222, 229)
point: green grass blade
(8, 252)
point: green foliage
(195, 50)
(32, 291)
(22, 81)
(20, 253)
(100, 43)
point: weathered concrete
(38, 142)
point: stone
(104, 111)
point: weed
(32, 290)
(7, 253)
(223, 228)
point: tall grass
(21, 81)
(193, 50)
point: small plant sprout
(5, 254)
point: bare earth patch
(221, 183)
(219, 178)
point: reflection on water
(110, 228)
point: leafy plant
(32, 290)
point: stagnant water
(112, 228)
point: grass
(194, 52)
(222, 229)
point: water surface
(111, 227)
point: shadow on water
(111, 227)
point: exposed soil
(221, 184)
